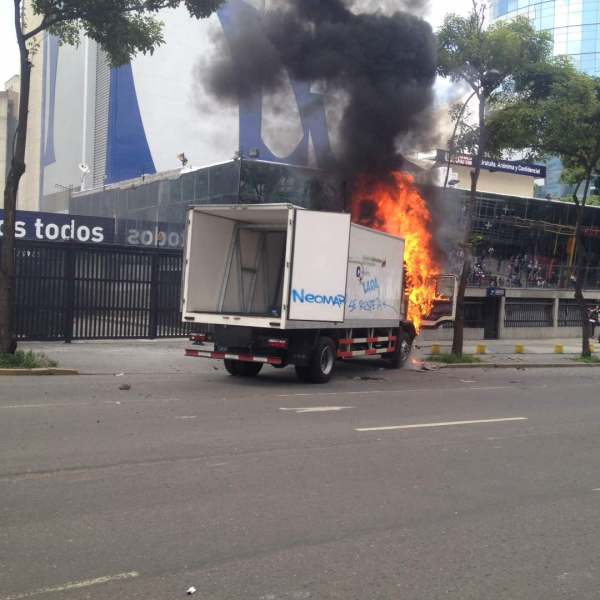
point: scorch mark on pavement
(73, 585)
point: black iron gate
(78, 292)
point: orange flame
(397, 208)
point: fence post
(154, 295)
(502, 318)
(69, 294)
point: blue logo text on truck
(302, 297)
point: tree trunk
(7, 247)
(459, 323)
(585, 318)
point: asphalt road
(192, 478)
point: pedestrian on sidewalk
(595, 319)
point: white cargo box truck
(280, 285)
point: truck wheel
(249, 369)
(231, 366)
(322, 363)
(397, 359)
(303, 374)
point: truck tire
(397, 359)
(238, 368)
(322, 363)
(249, 369)
(231, 366)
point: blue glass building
(575, 28)
(574, 25)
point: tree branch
(46, 23)
(18, 27)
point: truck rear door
(319, 266)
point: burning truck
(280, 285)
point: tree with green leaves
(555, 111)
(485, 59)
(122, 28)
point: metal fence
(529, 313)
(77, 292)
(474, 314)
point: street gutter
(484, 365)
(37, 372)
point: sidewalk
(503, 352)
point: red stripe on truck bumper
(353, 353)
(270, 360)
(369, 340)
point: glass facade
(575, 29)
(574, 25)
(152, 211)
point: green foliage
(554, 112)
(26, 360)
(123, 28)
(590, 360)
(488, 60)
(452, 359)
(593, 201)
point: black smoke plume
(383, 65)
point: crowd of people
(523, 270)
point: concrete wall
(9, 111)
(515, 333)
(4, 158)
(29, 189)
(445, 335)
(540, 333)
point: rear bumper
(268, 360)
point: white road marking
(317, 409)
(43, 406)
(73, 585)
(186, 418)
(75, 404)
(400, 391)
(443, 424)
(596, 490)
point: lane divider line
(443, 424)
(316, 409)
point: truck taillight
(278, 344)
(198, 338)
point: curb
(484, 365)
(37, 372)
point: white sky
(9, 59)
